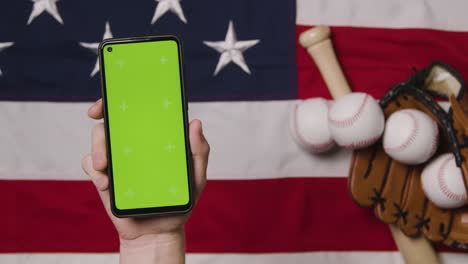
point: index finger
(95, 111)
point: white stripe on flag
(298, 258)
(249, 140)
(431, 14)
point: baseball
(410, 136)
(309, 125)
(442, 182)
(356, 120)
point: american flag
(266, 201)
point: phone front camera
(109, 49)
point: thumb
(200, 151)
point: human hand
(139, 230)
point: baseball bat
(319, 45)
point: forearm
(152, 249)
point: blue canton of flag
(48, 48)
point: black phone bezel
(139, 212)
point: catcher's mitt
(393, 188)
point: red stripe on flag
(250, 216)
(55, 216)
(375, 59)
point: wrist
(154, 248)
(147, 240)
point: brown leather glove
(394, 189)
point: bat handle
(414, 250)
(317, 42)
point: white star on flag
(4, 45)
(95, 45)
(231, 50)
(45, 5)
(168, 5)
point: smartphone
(145, 118)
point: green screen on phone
(146, 124)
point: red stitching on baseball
(443, 185)
(434, 139)
(361, 143)
(412, 136)
(312, 147)
(351, 120)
